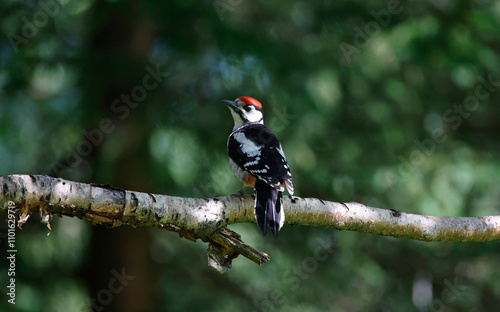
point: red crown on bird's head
(250, 101)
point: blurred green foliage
(392, 104)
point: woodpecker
(258, 160)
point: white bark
(207, 218)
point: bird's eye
(248, 108)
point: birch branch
(207, 218)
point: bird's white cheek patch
(254, 116)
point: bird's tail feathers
(268, 208)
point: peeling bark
(207, 218)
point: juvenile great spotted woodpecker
(258, 160)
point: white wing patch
(247, 146)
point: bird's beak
(231, 104)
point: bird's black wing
(256, 149)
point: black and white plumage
(258, 160)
